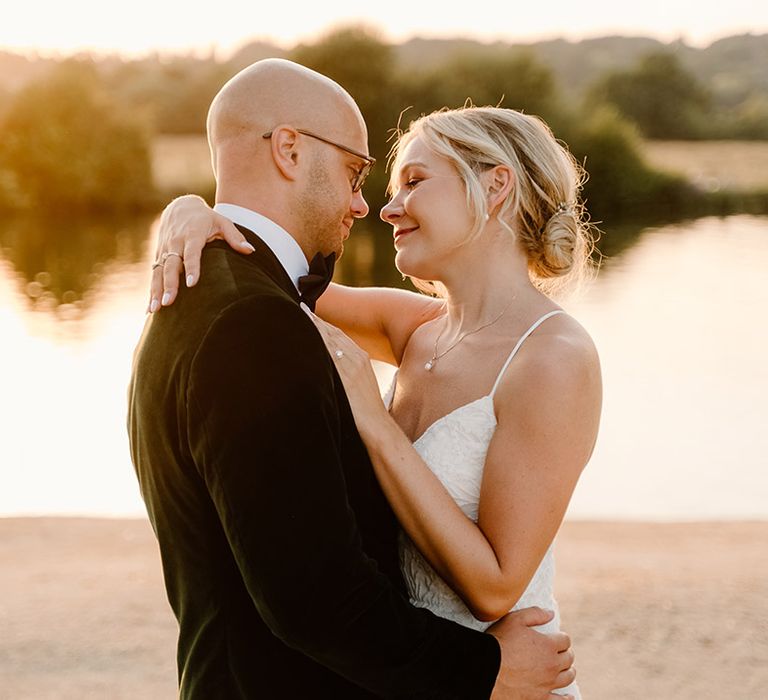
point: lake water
(679, 318)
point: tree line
(77, 136)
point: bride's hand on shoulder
(186, 225)
(354, 367)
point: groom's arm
(265, 437)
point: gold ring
(168, 255)
(158, 263)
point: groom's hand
(533, 664)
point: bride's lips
(400, 232)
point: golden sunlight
(143, 26)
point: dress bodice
(454, 448)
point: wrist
(377, 431)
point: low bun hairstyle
(542, 212)
(561, 246)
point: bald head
(275, 91)
(302, 176)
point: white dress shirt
(279, 241)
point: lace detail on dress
(454, 447)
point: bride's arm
(380, 320)
(548, 411)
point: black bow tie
(316, 281)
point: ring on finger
(158, 263)
(168, 255)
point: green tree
(510, 78)
(750, 120)
(659, 95)
(60, 259)
(184, 89)
(621, 183)
(65, 145)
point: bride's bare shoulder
(559, 357)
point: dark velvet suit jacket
(279, 550)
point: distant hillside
(736, 66)
(734, 69)
(575, 64)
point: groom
(279, 550)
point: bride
(494, 409)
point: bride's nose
(391, 211)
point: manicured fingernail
(153, 306)
(166, 298)
(190, 280)
(305, 309)
(247, 246)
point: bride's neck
(480, 287)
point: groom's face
(329, 204)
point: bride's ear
(499, 182)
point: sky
(141, 26)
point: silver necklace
(429, 365)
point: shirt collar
(279, 241)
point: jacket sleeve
(264, 433)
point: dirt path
(656, 611)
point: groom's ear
(285, 150)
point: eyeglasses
(362, 174)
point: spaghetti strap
(519, 343)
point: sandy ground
(656, 611)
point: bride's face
(428, 213)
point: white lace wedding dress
(454, 447)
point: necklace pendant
(429, 366)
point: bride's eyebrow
(412, 164)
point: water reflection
(58, 262)
(676, 313)
(677, 319)
(615, 239)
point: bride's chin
(408, 267)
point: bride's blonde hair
(543, 211)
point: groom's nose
(359, 207)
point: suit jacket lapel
(268, 262)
